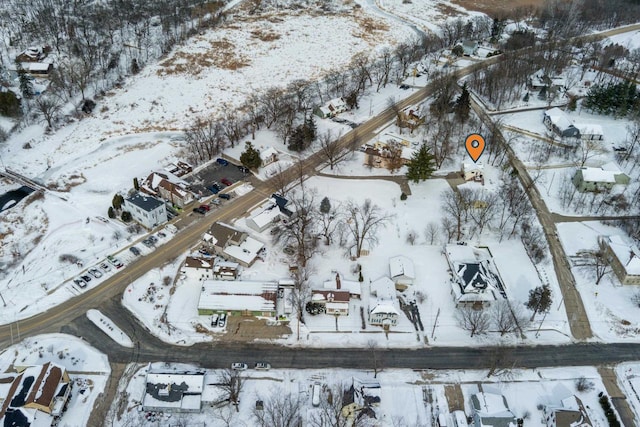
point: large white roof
(266, 216)
(589, 129)
(627, 253)
(598, 175)
(401, 266)
(352, 286)
(237, 295)
(558, 118)
(246, 251)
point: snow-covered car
(80, 283)
(262, 366)
(115, 261)
(105, 267)
(95, 273)
(239, 366)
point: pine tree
(463, 106)
(325, 206)
(26, 87)
(117, 202)
(539, 300)
(296, 140)
(250, 157)
(310, 129)
(421, 165)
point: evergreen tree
(117, 202)
(126, 216)
(135, 184)
(463, 105)
(421, 165)
(296, 140)
(250, 157)
(325, 206)
(9, 104)
(539, 300)
(310, 129)
(26, 86)
(111, 213)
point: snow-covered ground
(406, 397)
(88, 369)
(108, 327)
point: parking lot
(214, 173)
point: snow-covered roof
(385, 300)
(193, 262)
(238, 295)
(246, 252)
(401, 267)
(598, 175)
(476, 276)
(173, 390)
(558, 118)
(468, 167)
(146, 203)
(589, 129)
(492, 409)
(627, 253)
(384, 307)
(193, 381)
(266, 216)
(352, 286)
(268, 152)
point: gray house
(556, 120)
(469, 47)
(599, 179)
(491, 409)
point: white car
(239, 366)
(262, 366)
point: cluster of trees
(500, 317)
(618, 99)
(597, 202)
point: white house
(173, 391)
(269, 213)
(339, 283)
(473, 172)
(268, 155)
(491, 409)
(401, 272)
(624, 258)
(226, 270)
(335, 301)
(590, 132)
(475, 278)
(331, 108)
(233, 244)
(147, 210)
(384, 307)
(570, 412)
(197, 268)
(556, 120)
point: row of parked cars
(259, 366)
(98, 271)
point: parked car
(171, 228)
(239, 366)
(95, 273)
(214, 188)
(222, 162)
(86, 278)
(214, 320)
(148, 243)
(200, 211)
(404, 87)
(262, 366)
(243, 169)
(115, 261)
(226, 181)
(161, 235)
(135, 250)
(152, 239)
(105, 267)
(224, 196)
(80, 283)
(205, 207)
(222, 320)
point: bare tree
(301, 292)
(431, 233)
(330, 148)
(48, 108)
(455, 204)
(205, 139)
(363, 223)
(329, 218)
(593, 262)
(477, 322)
(280, 179)
(448, 228)
(501, 362)
(505, 320)
(280, 409)
(329, 413)
(231, 384)
(226, 416)
(483, 207)
(300, 231)
(372, 346)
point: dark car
(222, 162)
(153, 239)
(215, 188)
(86, 278)
(205, 207)
(243, 169)
(148, 243)
(404, 87)
(135, 250)
(200, 211)
(226, 181)
(224, 196)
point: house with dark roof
(491, 410)
(36, 396)
(173, 391)
(569, 413)
(148, 211)
(168, 187)
(557, 121)
(475, 278)
(233, 244)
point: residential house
(569, 413)
(173, 391)
(36, 396)
(40, 69)
(623, 257)
(233, 244)
(599, 179)
(557, 121)
(269, 213)
(169, 187)
(268, 155)
(473, 172)
(402, 272)
(331, 108)
(197, 268)
(179, 168)
(491, 409)
(409, 118)
(384, 308)
(541, 80)
(340, 283)
(475, 278)
(335, 301)
(33, 54)
(225, 270)
(390, 151)
(147, 210)
(469, 47)
(239, 298)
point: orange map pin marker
(475, 146)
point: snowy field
(88, 369)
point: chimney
(337, 281)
